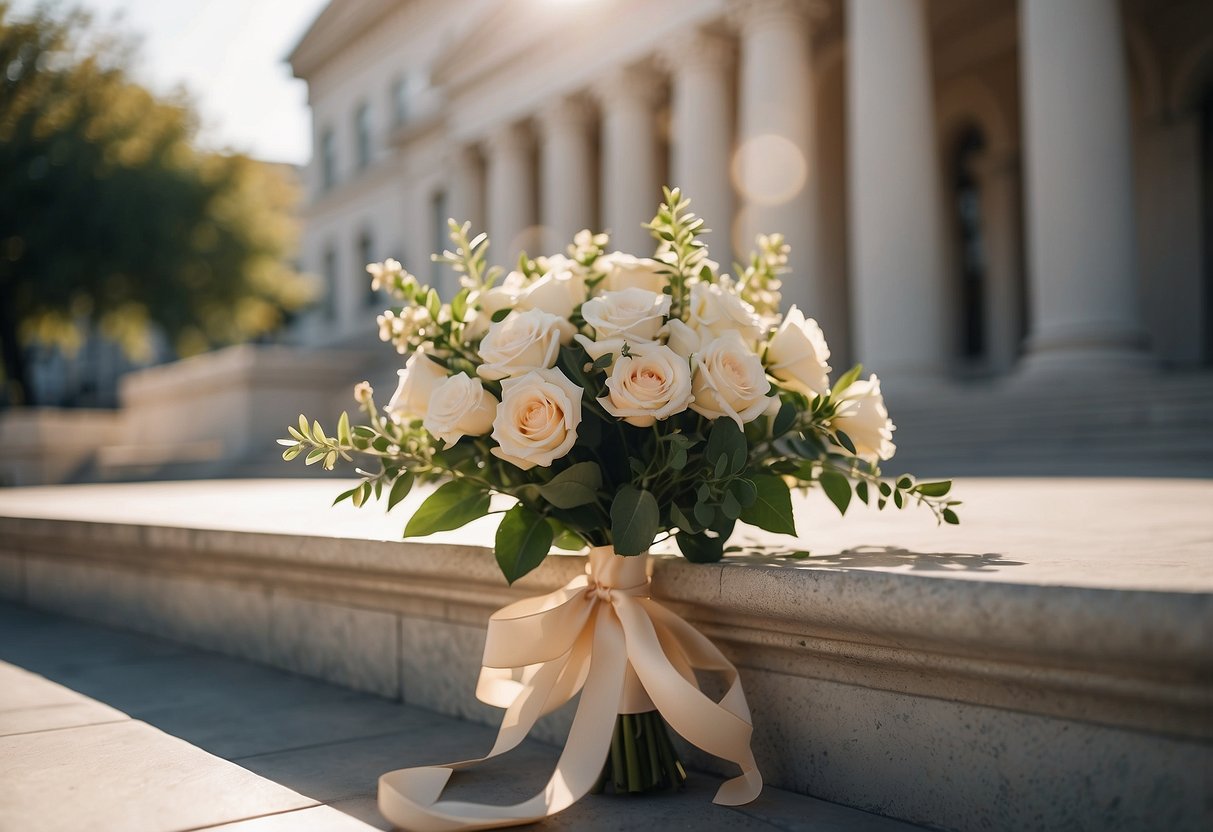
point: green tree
(111, 218)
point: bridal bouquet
(620, 401)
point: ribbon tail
(722, 729)
(410, 797)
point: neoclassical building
(970, 187)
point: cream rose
(623, 271)
(417, 381)
(537, 419)
(557, 293)
(716, 309)
(488, 303)
(652, 382)
(635, 315)
(863, 417)
(459, 407)
(522, 342)
(797, 353)
(682, 339)
(729, 381)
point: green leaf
(861, 491)
(315, 455)
(459, 305)
(524, 539)
(837, 488)
(303, 426)
(575, 486)
(950, 517)
(452, 505)
(844, 441)
(772, 510)
(699, 548)
(784, 419)
(679, 519)
(885, 489)
(898, 500)
(292, 452)
(730, 506)
(635, 520)
(500, 314)
(725, 441)
(564, 537)
(846, 379)
(904, 482)
(318, 432)
(343, 429)
(678, 459)
(433, 303)
(744, 491)
(400, 489)
(345, 495)
(934, 489)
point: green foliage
(635, 520)
(453, 504)
(112, 220)
(575, 486)
(772, 509)
(523, 541)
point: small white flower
(652, 382)
(797, 354)
(633, 314)
(459, 407)
(524, 341)
(363, 392)
(417, 381)
(729, 381)
(863, 417)
(536, 422)
(715, 309)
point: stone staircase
(1140, 425)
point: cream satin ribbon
(603, 636)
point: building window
(439, 211)
(328, 300)
(970, 237)
(400, 100)
(362, 134)
(366, 255)
(328, 159)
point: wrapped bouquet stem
(619, 401)
(603, 637)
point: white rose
(651, 383)
(682, 339)
(729, 381)
(489, 303)
(797, 354)
(716, 309)
(537, 419)
(417, 381)
(632, 314)
(459, 407)
(557, 293)
(862, 416)
(597, 349)
(522, 342)
(623, 271)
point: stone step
(151, 736)
(1044, 665)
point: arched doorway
(964, 200)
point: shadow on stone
(870, 557)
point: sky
(230, 55)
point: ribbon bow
(603, 636)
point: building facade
(971, 189)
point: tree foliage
(111, 218)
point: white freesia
(715, 308)
(537, 419)
(797, 354)
(522, 342)
(623, 271)
(729, 381)
(633, 314)
(459, 407)
(417, 382)
(863, 417)
(652, 382)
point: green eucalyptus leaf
(699, 548)
(453, 504)
(837, 488)
(784, 419)
(934, 489)
(861, 491)
(844, 441)
(345, 495)
(343, 429)
(500, 314)
(950, 517)
(635, 520)
(772, 509)
(524, 539)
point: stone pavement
(106, 730)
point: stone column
(1081, 241)
(568, 171)
(898, 297)
(510, 191)
(701, 148)
(772, 167)
(631, 187)
(466, 186)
